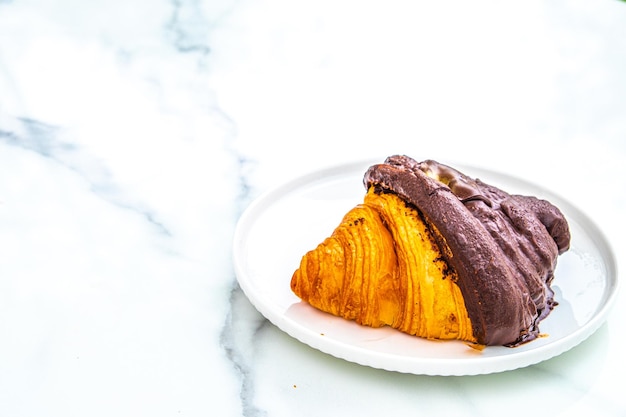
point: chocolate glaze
(503, 247)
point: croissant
(436, 254)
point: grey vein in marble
(242, 325)
(188, 27)
(44, 139)
(242, 322)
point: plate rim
(421, 365)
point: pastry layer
(382, 266)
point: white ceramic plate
(282, 225)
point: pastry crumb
(476, 346)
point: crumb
(476, 346)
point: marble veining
(189, 28)
(134, 135)
(238, 336)
(44, 140)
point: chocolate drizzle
(503, 247)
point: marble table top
(134, 134)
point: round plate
(282, 225)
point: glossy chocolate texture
(503, 247)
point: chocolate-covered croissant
(434, 253)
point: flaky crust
(382, 267)
(503, 247)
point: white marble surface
(133, 134)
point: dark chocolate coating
(503, 247)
